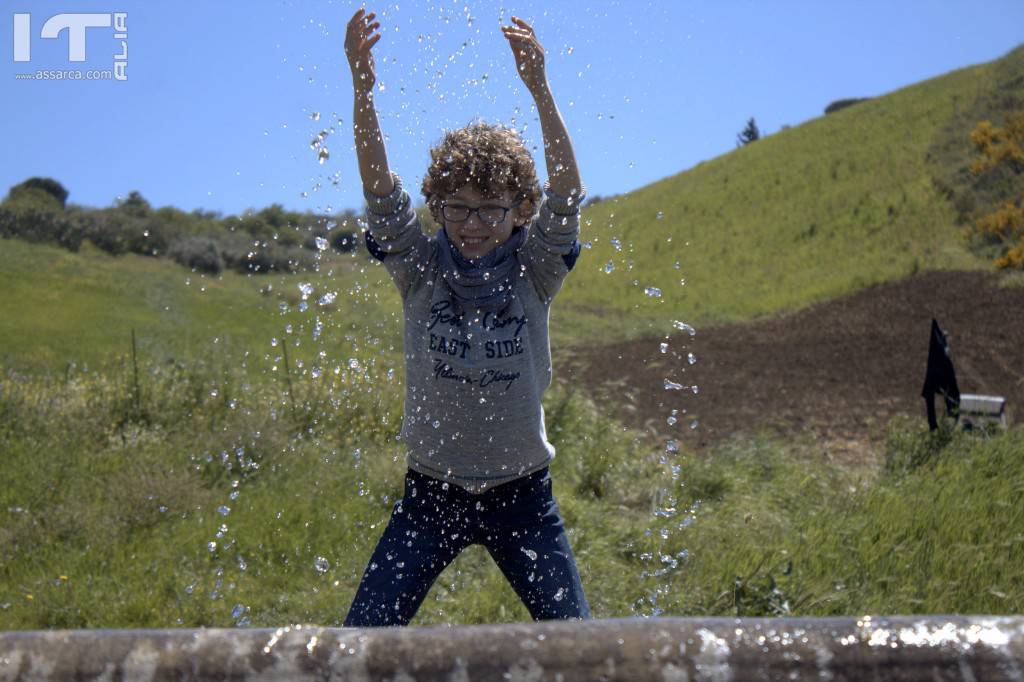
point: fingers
(366, 46)
(359, 18)
(370, 30)
(362, 32)
(522, 24)
(362, 25)
(522, 33)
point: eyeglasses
(492, 215)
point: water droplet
(660, 215)
(212, 546)
(323, 155)
(663, 347)
(437, 424)
(223, 510)
(609, 266)
(671, 447)
(315, 116)
(653, 292)
(694, 424)
(616, 243)
(672, 386)
(238, 611)
(691, 358)
(671, 421)
(321, 565)
(682, 326)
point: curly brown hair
(490, 157)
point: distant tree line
(269, 240)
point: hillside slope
(841, 369)
(840, 203)
(824, 209)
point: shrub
(835, 106)
(32, 199)
(117, 233)
(134, 205)
(199, 253)
(43, 227)
(47, 186)
(1000, 163)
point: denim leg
(525, 536)
(425, 533)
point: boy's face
(478, 234)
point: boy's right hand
(361, 36)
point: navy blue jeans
(519, 524)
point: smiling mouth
(473, 241)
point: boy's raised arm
(362, 34)
(563, 173)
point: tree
(39, 190)
(748, 134)
(135, 205)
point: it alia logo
(76, 25)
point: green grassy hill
(222, 490)
(60, 307)
(840, 203)
(859, 197)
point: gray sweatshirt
(474, 381)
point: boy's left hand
(528, 53)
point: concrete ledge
(671, 649)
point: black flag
(940, 377)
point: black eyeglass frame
(471, 210)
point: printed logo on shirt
(447, 334)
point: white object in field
(980, 410)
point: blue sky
(218, 108)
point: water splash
(682, 326)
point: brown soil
(839, 370)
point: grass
(838, 204)
(60, 307)
(208, 505)
(841, 203)
(244, 477)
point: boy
(477, 360)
